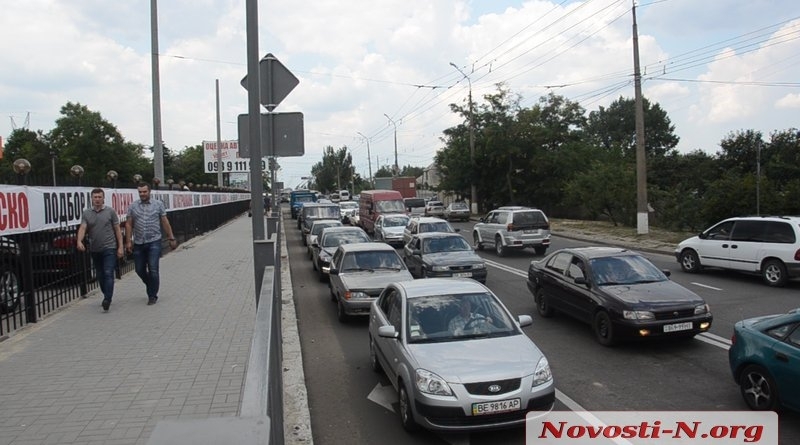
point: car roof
(515, 208)
(794, 219)
(367, 247)
(599, 251)
(325, 221)
(428, 219)
(439, 286)
(425, 235)
(342, 229)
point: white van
(344, 195)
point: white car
(763, 245)
(389, 228)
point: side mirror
(667, 272)
(703, 236)
(524, 320)
(388, 331)
(333, 271)
(581, 280)
(457, 230)
(483, 220)
(415, 252)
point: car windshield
(458, 206)
(447, 317)
(321, 212)
(624, 269)
(306, 198)
(441, 226)
(394, 206)
(371, 261)
(317, 227)
(348, 205)
(395, 221)
(336, 238)
(445, 244)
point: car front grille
(670, 315)
(482, 388)
(460, 268)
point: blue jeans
(104, 263)
(145, 258)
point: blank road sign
(287, 128)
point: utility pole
(219, 142)
(396, 166)
(641, 162)
(369, 158)
(473, 188)
(158, 148)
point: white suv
(513, 228)
(768, 246)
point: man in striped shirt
(146, 220)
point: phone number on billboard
(241, 166)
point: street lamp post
(473, 189)
(396, 167)
(758, 180)
(112, 176)
(77, 172)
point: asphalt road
(349, 403)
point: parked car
(436, 254)
(513, 228)
(389, 228)
(765, 360)
(619, 292)
(767, 246)
(456, 211)
(348, 209)
(329, 240)
(425, 224)
(10, 275)
(434, 208)
(457, 372)
(316, 229)
(360, 272)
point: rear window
(412, 203)
(529, 218)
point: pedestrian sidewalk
(82, 376)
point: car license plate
(678, 327)
(462, 274)
(531, 231)
(500, 406)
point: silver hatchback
(456, 357)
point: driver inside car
(466, 320)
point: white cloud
(360, 60)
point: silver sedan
(456, 357)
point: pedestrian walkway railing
(41, 271)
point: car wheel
(406, 414)
(340, 312)
(773, 272)
(373, 356)
(603, 328)
(498, 246)
(10, 289)
(540, 250)
(758, 389)
(333, 294)
(542, 305)
(477, 242)
(690, 262)
(321, 275)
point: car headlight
(542, 373)
(479, 266)
(638, 315)
(430, 383)
(439, 268)
(701, 309)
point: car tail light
(733, 339)
(64, 242)
(797, 255)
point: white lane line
(508, 269)
(706, 286)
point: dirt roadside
(601, 232)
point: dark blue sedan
(765, 360)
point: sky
(372, 71)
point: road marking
(508, 269)
(706, 286)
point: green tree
(30, 145)
(335, 171)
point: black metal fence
(42, 271)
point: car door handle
(782, 357)
(734, 246)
